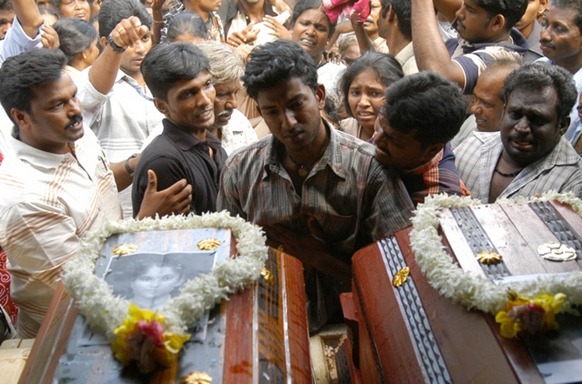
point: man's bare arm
(430, 51)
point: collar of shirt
(331, 157)
(185, 140)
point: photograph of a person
(150, 279)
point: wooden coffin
(259, 335)
(411, 334)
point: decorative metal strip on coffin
(479, 241)
(559, 227)
(427, 350)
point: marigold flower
(524, 315)
(141, 338)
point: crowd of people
(326, 134)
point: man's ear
(161, 105)
(20, 118)
(320, 95)
(564, 124)
(103, 41)
(390, 14)
(497, 23)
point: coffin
(412, 334)
(258, 335)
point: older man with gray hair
(231, 126)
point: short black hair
(386, 66)
(305, 5)
(75, 36)
(428, 105)
(512, 10)
(113, 11)
(20, 75)
(275, 63)
(403, 11)
(535, 77)
(168, 63)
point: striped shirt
(351, 196)
(49, 201)
(477, 157)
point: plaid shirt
(352, 197)
(437, 176)
(477, 157)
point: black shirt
(175, 155)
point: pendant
(302, 171)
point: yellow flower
(141, 338)
(523, 315)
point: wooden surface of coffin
(412, 334)
(259, 334)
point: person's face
(400, 150)
(311, 31)
(371, 23)
(560, 39)
(157, 281)
(225, 102)
(351, 54)
(55, 118)
(383, 23)
(535, 8)
(79, 9)
(488, 102)
(208, 5)
(291, 111)
(6, 17)
(44, 3)
(530, 128)
(366, 97)
(133, 56)
(190, 103)
(473, 23)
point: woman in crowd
(78, 41)
(362, 87)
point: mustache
(74, 120)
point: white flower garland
(472, 290)
(104, 312)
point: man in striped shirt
(529, 156)
(316, 191)
(56, 182)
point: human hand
(309, 248)
(175, 199)
(128, 31)
(277, 29)
(245, 36)
(49, 37)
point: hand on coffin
(309, 249)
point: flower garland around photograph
(132, 329)
(547, 295)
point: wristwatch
(127, 167)
(114, 46)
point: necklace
(302, 170)
(512, 174)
